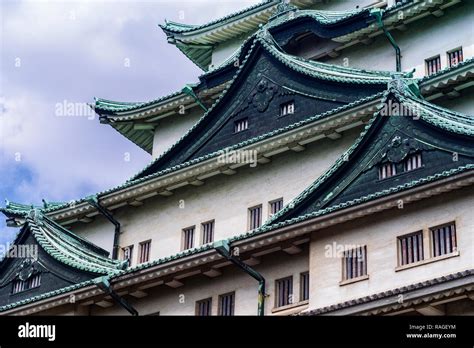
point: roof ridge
(188, 27)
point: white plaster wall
(225, 49)
(464, 103)
(99, 232)
(225, 199)
(423, 39)
(182, 300)
(170, 129)
(379, 233)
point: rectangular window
(387, 170)
(227, 304)
(128, 253)
(354, 263)
(433, 65)
(455, 57)
(287, 108)
(255, 217)
(144, 255)
(283, 291)
(412, 162)
(275, 206)
(188, 238)
(444, 239)
(410, 248)
(23, 285)
(204, 307)
(304, 286)
(241, 125)
(207, 229)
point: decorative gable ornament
(27, 269)
(398, 149)
(263, 95)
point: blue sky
(71, 51)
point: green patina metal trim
(265, 228)
(46, 295)
(67, 247)
(175, 27)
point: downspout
(377, 13)
(189, 91)
(104, 284)
(108, 215)
(223, 248)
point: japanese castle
(323, 164)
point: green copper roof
(468, 63)
(46, 295)
(175, 27)
(20, 209)
(435, 115)
(68, 248)
(197, 42)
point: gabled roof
(262, 42)
(440, 118)
(197, 42)
(65, 246)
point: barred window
(255, 217)
(410, 248)
(22, 285)
(275, 206)
(241, 125)
(455, 57)
(354, 263)
(226, 304)
(433, 65)
(188, 238)
(283, 291)
(128, 253)
(287, 108)
(207, 229)
(304, 286)
(444, 239)
(412, 162)
(204, 307)
(144, 252)
(387, 170)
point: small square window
(241, 125)
(188, 238)
(227, 304)
(304, 286)
(455, 57)
(443, 239)
(207, 230)
(412, 162)
(287, 108)
(275, 206)
(433, 65)
(144, 255)
(354, 263)
(283, 292)
(410, 248)
(22, 285)
(255, 217)
(204, 307)
(387, 170)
